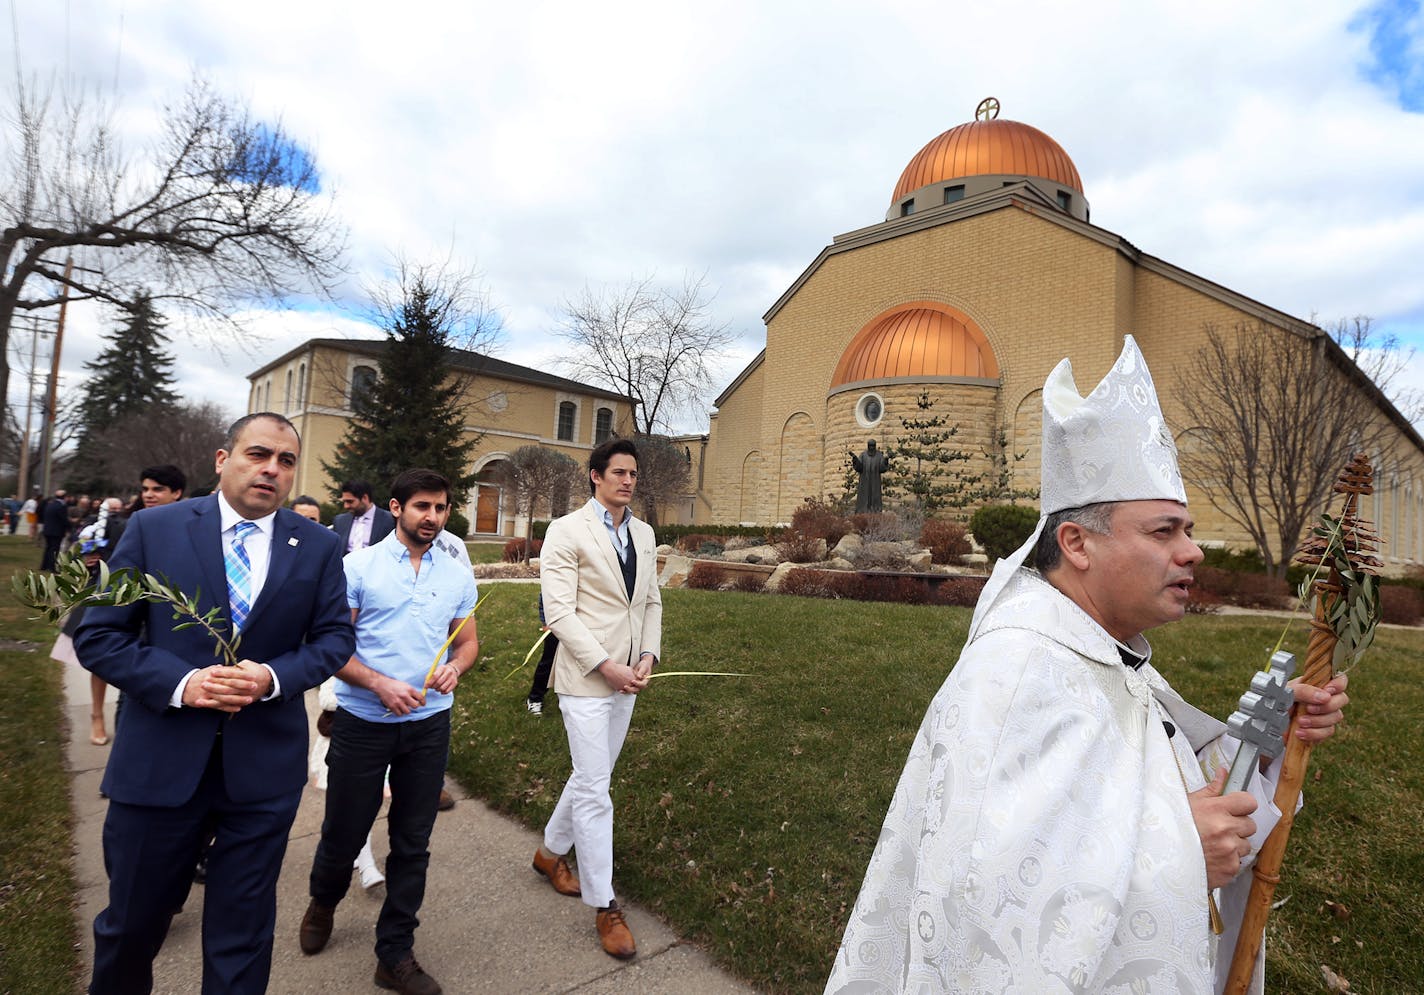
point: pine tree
(413, 415)
(131, 376)
(925, 468)
(133, 373)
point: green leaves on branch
(56, 595)
(1355, 614)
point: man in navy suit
(362, 524)
(208, 750)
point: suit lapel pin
(292, 541)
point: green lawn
(38, 935)
(747, 809)
(486, 552)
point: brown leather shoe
(558, 872)
(407, 977)
(316, 928)
(614, 934)
(447, 801)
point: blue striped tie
(239, 575)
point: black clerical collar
(1133, 660)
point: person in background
(362, 524)
(97, 538)
(308, 508)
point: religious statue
(869, 465)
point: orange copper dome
(919, 339)
(989, 147)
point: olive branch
(1356, 613)
(54, 596)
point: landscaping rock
(837, 563)
(753, 554)
(975, 560)
(919, 560)
(666, 549)
(849, 545)
(675, 571)
(773, 583)
(820, 549)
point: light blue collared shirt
(402, 618)
(617, 533)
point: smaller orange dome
(989, 147)
(919, 339)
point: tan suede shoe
(614, 934)
(556, 869)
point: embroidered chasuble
(1040, 840)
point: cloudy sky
(1274, 147)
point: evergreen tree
(413, 415)
(133, 373)
(131, 377)
(925, 468)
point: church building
(985, 272)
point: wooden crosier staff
(1357, 540)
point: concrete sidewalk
(489, 923)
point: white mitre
(1113, 445)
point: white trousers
(583, 819)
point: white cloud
(556, 143)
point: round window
(869, 410)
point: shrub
(1200, 601)
(458, 524)
(1245, 589)
(885, 556)
(1401, 605)
(809, 583)
(706, 577)
(796, 546)
(694, 542)
(819, 520)
(878, 526)
(514, 550)
(672, 533)
(749, 583)
(1003, 528)
(962, 592)
(946, 541)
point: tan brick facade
(504, 408)
(1040, 285)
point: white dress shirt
(361, 526)
(258, 547)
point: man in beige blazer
(598, 573)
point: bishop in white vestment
(1054, 830)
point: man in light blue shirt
(406, 600)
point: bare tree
(656, 346)
(538, 475)
(219, 209)
(188, 436)
(1277, 414)
(664, 473)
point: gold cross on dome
(988, 109)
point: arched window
(301, 386)
(567, 411)
(287, 399)
(363, 380)
(603, 426)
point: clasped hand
(625, 679)
(228, 689)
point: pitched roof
(461, 359)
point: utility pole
(22, 487)
(50, 405)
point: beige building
(508, 406)
(985, 272)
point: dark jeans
(356, 767)
(546, 664)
